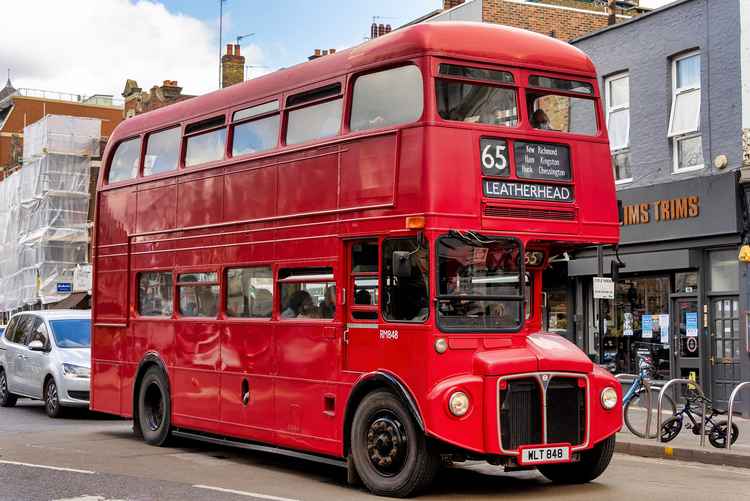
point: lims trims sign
(527, 191)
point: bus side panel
(200, 201)
(250, 194)
(307, 181)
(368, 171)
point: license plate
(544, 454)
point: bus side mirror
(402, 264)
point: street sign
(604, 288)
(64, 287)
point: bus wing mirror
(402, 264)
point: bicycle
(717, 433)
(636, 398)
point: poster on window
(664, 328)
(691, 324)
(647, 328)
(627, 324)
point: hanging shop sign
(604, 288)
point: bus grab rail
(730, 412)
(661, 398)
(646, 384)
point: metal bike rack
(730, 412)
(661, 398)
(647, 385)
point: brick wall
(561, 23)
(232, 66)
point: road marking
(47, 467)
(244, 493)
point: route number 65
(494, 157)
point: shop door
(725, 347)
(686, 345)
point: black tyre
(7, 399)
(670, 429)
(718, 434)
(52, 399)
(592, 464)
(391, 454)
(155, 407)
(637, 407)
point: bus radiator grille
(566, 411)
(528, 213)
(521, 413)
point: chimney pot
(387, 28)
(331, 51)
(230, 49)
(317, 52)
(236, 50)
(325, 52)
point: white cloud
(93, 46)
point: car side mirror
(402, 264)
(36, 345)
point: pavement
(686, 446)
(92, 457)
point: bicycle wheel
(718, 434)
(637, 408)
(670, 429)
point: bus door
(361, 296)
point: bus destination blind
(542, 161)
(527, 191)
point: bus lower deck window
(405, 280)
(199, 294)
(307, 293)
(250, 292)
(155, 294)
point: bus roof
(481, 41)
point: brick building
(137, 101)
(21, 107)
(563, 19)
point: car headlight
(458, 403)
(609, 398)
(71, 370)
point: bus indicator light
(415, 223)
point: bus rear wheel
(390, 452)
(154, 407)
(592, 464)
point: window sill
(618, 182)
(691, 168)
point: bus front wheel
(154, 407)
(391, 454)
(592, 464)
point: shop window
(124, 163)
(557, 310)
(199, 294)
(155, 294)
(162, 151)
(686, 282)
(307, 293)
(375, 104)
(249, 292)
(725, 272)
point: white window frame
(678, 136)
(609, 110)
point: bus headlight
(458, 403)
(609, 398)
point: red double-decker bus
(343, 260)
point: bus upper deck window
(550, 110)
(483, 101)
(389, 97)
(206, 141)
(314, 122)
(162, 151)
(257, 129)
(125, 161)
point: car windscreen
(72, 333)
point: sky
(92, 46)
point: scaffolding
(44, 208)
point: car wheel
(391, 454)
(592, 464)
(155, 407)
(7, 399)
(52, 399)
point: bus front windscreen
(480, 285)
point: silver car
(46, 355)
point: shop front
(681, 297)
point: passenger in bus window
(540, 120)
(328, 305)
(299, 304)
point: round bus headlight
(441, 345)
(458, 403)
(609, 398)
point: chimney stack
(449, 4)
(232, 66)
